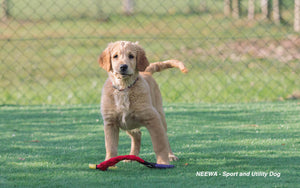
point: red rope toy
(111, 162)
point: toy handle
(111, 162)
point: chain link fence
(236, 51)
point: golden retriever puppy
(131, 99)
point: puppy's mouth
(122, 74)
(125, 74)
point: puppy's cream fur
(131, 99)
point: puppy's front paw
(126, 161)
(172, 157)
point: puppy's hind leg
(136, 137)
(172, 157)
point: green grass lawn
(51, 146)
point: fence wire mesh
(237, 51)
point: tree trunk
(251, 9)
(4, 10)
(276, 11)
(128, 7)
(297, 16)
(227, 8)
(265, 9)
(236, 8)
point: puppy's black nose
(123, 68)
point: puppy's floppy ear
(141, 59)
(104, 60)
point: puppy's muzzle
(123, 68)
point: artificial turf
(51, 146)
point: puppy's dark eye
(131, 56)
(115, 56)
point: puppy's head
(123, 58)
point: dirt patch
(294, 96)
(284, 50)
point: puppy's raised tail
(160, 66)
